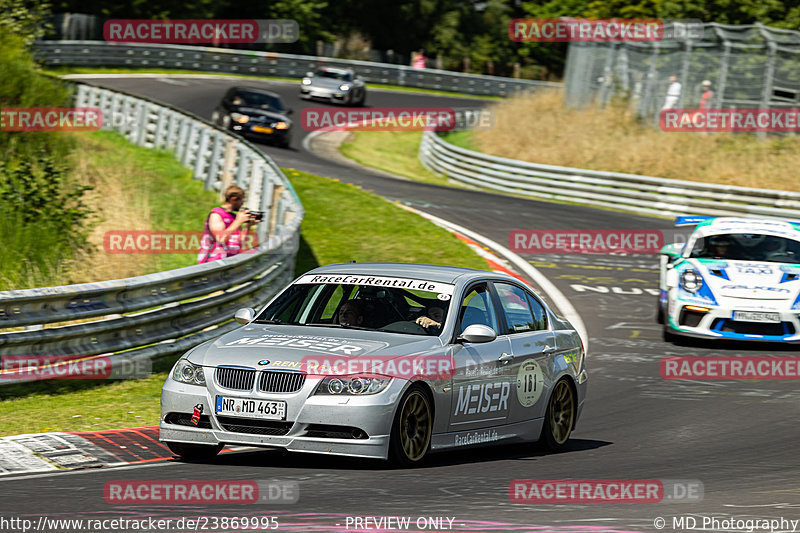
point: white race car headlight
(238, 117)
(691, 281)
(344, 87)
(306, 81)
(352, 385)
(186, 372)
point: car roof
(256, 90)
(439, 273)
(727, 225)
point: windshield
(341, 76)
(263, 101)
(747, 247)
(370, 303)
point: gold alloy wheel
(562, 412)
(415, 426)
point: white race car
(735, 278)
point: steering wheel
(404, 326)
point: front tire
(194, 452)
(559, 418)
(410, 440)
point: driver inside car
(433, 318)
(350, 313)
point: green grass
(342, 223)
(345, 223)
(462, 139)
(91, 407)
(60, 71)
(391, 151)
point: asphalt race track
(739, 438)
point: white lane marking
(308, 138)
(558, 298)
(172, 82)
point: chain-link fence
(749, 66)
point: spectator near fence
(706, 95)
(226, 228)
(673, 93)
(418, 59)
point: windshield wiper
(270, 321)
(343, 326)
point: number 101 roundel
(386, 361)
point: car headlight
(691, 281)
(344, 87)
(186, 372)
(238, 117)
(352, 385)
(306, 81)
(281, 126)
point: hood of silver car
(286, 347)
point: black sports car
(255, 113)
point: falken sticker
(309, 343)
(530, 382)
(379, 281)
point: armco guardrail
(628, 192)
(135, 55)
(167, 312)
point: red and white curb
(44, 452)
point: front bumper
(308, 92)
(718, 323)
(247, 130)
(372, 414)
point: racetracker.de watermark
(730, 368)
(201, 31)
(50, 119)
(394, 119)
(402, 367)
(182, 492)
(587, 241)
(605, 490)
(563, 30)
(165, 242)
(725, 120)
(38, 367)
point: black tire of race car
(660, 314)
(194, 452)
(557, 426)
(413, 410)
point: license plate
(756, 316)
(262, 129)
(247, 408)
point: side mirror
(289, 111)
(478, 333)
(245, 315)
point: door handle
(505, 357)
(548, 349)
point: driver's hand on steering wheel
(427, 322)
